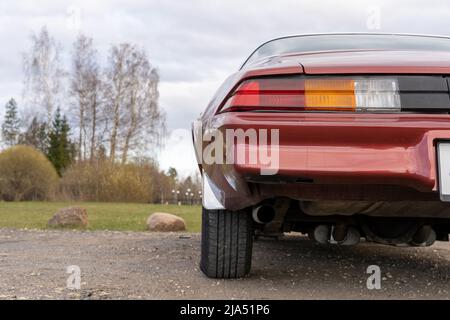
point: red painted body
(336, 156)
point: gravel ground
(138, 265)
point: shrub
(106, 181)
(26, 174)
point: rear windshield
(329, 42)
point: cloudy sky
(196, 44)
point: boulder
(72, 217)
(165, 222)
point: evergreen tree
(36, 135)
(172, 172)
(60, 148)
(11, 124)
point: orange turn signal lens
(330, 94)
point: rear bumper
(334, 156)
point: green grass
(101, 215)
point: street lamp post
(175, 194)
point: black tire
(227, 240)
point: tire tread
(227, 240)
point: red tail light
(268, 94)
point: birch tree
(85, 90)
(115, 92)
(132, 100)
(43, 74)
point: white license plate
(443, 154)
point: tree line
(90, 114)
(113, 109)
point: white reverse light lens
(377, 95)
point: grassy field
(102, 216)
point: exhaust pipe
(321, 234)
(352, 237)
(341, 234)
(424, 237)
(263, 214)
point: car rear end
(354, 145)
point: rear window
(328, 42)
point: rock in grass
(165, 222)
(72, 217)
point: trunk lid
(374, 62)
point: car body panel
(345, 149)
(373, 62)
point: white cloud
(184, 101)
(179, 153)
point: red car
(338, 136)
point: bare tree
(115, 92)
(43, 73)
(143, 119)
(85, 89)
(118, 106)
(132, 95)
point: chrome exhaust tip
(263, 214)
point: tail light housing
(357, 94)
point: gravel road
(139, 265)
